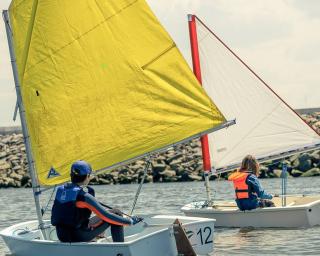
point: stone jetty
(181, 163)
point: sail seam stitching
(160, 131)
(80, 36)
(123, 145)
(173, 45)
(157, 150)
(30, 33)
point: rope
(140, 186)
(43, 211)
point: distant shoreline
(10, 130)
(307, 110)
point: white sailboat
(102, 81)
(266, 127)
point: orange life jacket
(240, 186)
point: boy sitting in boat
(73, 206)
(249, 192)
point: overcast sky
(279, 39)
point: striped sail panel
(265, 125)
(102, 81)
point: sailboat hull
(154, 237)
(299, 212)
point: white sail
(265, 124)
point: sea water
(17, 205)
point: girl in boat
(74, 204)
(248, 190)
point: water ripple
(18, 205)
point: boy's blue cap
(81, 168)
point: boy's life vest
(64, 210)
(239, 183)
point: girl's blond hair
(250, 164)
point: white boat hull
(155, 237)
(301, 211)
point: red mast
(197, 72)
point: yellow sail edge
(102, 82)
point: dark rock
(277, 173)
(312, 172)
(295, 164)
(95, 180)
(25, 180)
(158, 167)
(315, 156)
(293, 158)
(195, 144)
(274, 165)
(174, 165)
(27, 185)
(123, 171)
(148, 179)
(195, 178)
(305, 165)
(212, 177)
(8, 182)
(4, 165)
(184, 176)
(270, 174)
(103, 181)
(296, 173)
(180, 170)
(16, 167)
(17, 184)
(263, 172)
(168, 173)
(123, 179)
(3, 154)
(174, 157)
(170, 179)
(136, 167)
(15, 176)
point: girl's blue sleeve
(257, 188)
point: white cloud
(279, 39)
(290, 62)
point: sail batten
(102, 82)
(266, 125)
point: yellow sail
(20, 17)
(102, 81)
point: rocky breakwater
(301, 165)
(304, 165)
(13, 162)
(313, 120)
(181, 163)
